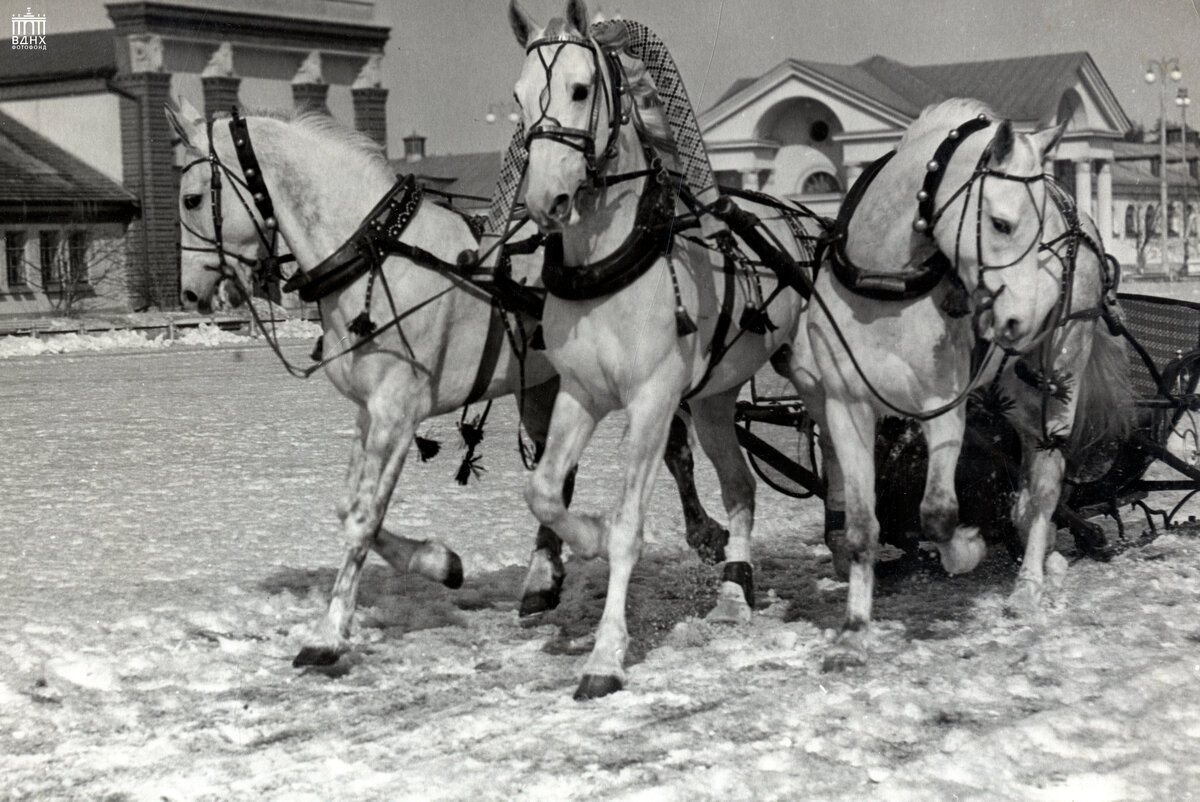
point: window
(14, 258)
(48, 242)
(77, 247)
(820, 183)
(1131, 221)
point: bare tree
(78, 269)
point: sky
(448, 61)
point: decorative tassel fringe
(427, 449)
(956, 303)
(756, 320)
(472, 435)
(537, 340)
(684, 325)
(318, 351)
(362, 326)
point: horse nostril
(561, 206)
(189, 297)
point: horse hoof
(843, 658)
(454, 572)
(316, 656)
(538, 603)
(731, 606)
(708, 541)
(964, 551)
(593, 686)
(1026, 599)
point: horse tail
(1105, 410)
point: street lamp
(1183, 101)
(1167, 68)
(496, 110)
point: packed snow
(203, 335)
(167, 535)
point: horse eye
(192, 201)
(579, 93)
(1001, 226)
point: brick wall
(220, 94)
(307, 97)
(148, 164)
(370, 112)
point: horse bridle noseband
(583, 140)
(252, 182)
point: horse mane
(944, 116)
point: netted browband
(644, 45)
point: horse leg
(713, 417)
(428, 558)
(1041, 482)
(961, 548)
(388, 435)
(541, 590)
(852, 431)
(649, 420)
(705, 535)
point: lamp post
(1167, 68)
(1183, 101)
(497, 110)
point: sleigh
(1160, 454)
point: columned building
(99, 95)
(805, 130)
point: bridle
(250, 180)
(615, 96)
(928, 216)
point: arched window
(1130, 221)
(820, 183)
(1151, 219)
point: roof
(463, 173)
(1024, 88)
(81, 54)
(37, 176)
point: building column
(148, 166)
(1083, 186)
(750, 180)
(1104, 201)
(219, 82)
(370, 102)
(309, 90)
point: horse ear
(187, 122)
(577, 15)
(1047, 139)
(1002, 142)
(522, 24)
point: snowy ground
(167, 531)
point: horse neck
(602, 230)
(320, 194)
(880, 236)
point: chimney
(414, 147)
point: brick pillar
(148, 165)
(220, 93)
(370, 112)
(310, 96)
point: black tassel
(472, 435)
(956, 303)
(427, 449)
(318, 351)
(362, 326)
(684, 325)
(537, 340)
(756, 320)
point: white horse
(444, 344)
(596, 127)
(983, 212)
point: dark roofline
(69, 56)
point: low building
(63, 225)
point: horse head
(571, 109)
(220, 234)
(989, 212)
